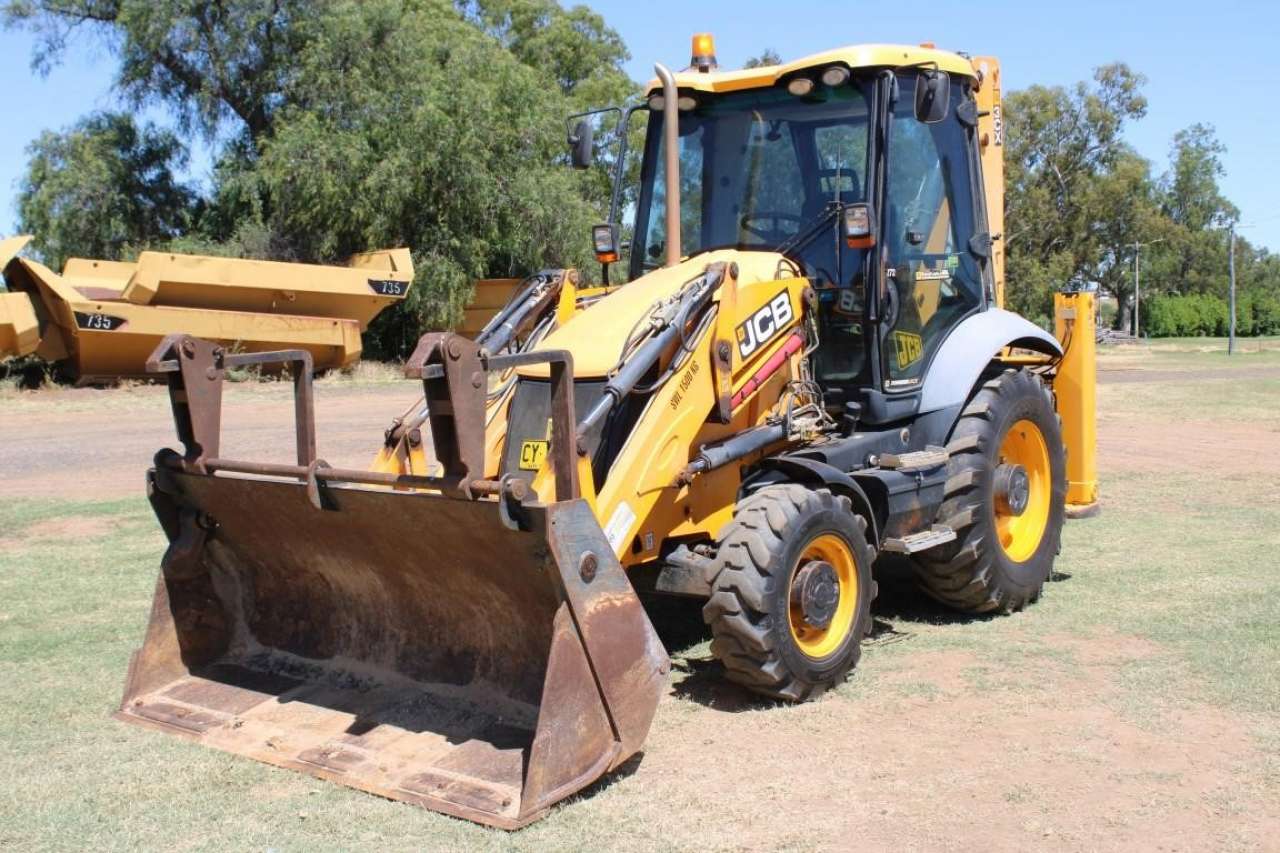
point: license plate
(532, 455)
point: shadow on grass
(698, 677)
(623, 771)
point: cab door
(932, 277)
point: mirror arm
(619, 169)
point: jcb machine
(806, 366)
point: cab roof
(855, 56)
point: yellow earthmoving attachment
(488, 297)
(446, 642)
(358, 291)
(104, 318)
(19, 331)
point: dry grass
(1137, 705)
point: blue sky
(1206, 62)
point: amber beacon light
(704, 52)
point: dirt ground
(932, 749)
(106, 438)
(103, 450)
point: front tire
(792, 590)
(1006, 499)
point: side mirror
(858, 221)
(581, 145)
(605, 240)
(933, 95)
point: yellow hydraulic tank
(1077, 391)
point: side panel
(970, 348)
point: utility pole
(1231, 265)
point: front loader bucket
(403, 643)
(446, 641)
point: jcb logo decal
(762, 326)
(909, 347)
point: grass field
(1137, 705)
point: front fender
(813, 472)
(970, 347)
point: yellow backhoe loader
(805, 366)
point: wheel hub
(817, 590)
(1012, 489)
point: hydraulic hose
(694, 300)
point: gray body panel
(969, 349)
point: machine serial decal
(909, 348)
(685, 381)
(762, 326)
(387, 287)
(98, 322)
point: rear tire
(999, 560)
(767, 631)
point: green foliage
(1066, 162)
(103, 188)
(767, 57)
(1186, 316)
(575, 46)
(1206, 315)
(1079, 199)
(208, 62)
(392, 137)
(1191, 195)
(347, 126)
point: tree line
(340, 126)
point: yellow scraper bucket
(442, 641)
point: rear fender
(971, 347)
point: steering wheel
(775, 218)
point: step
(916, 460)
(939, 534)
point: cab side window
(934, 279)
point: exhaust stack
(671, 143)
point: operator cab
(772, 168)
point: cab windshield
(757, 168)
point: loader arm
(644, 499)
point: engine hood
(595, 335)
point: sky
(1205, 62)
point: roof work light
(704, 53)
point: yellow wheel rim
(1020, 535)
(819, 642)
